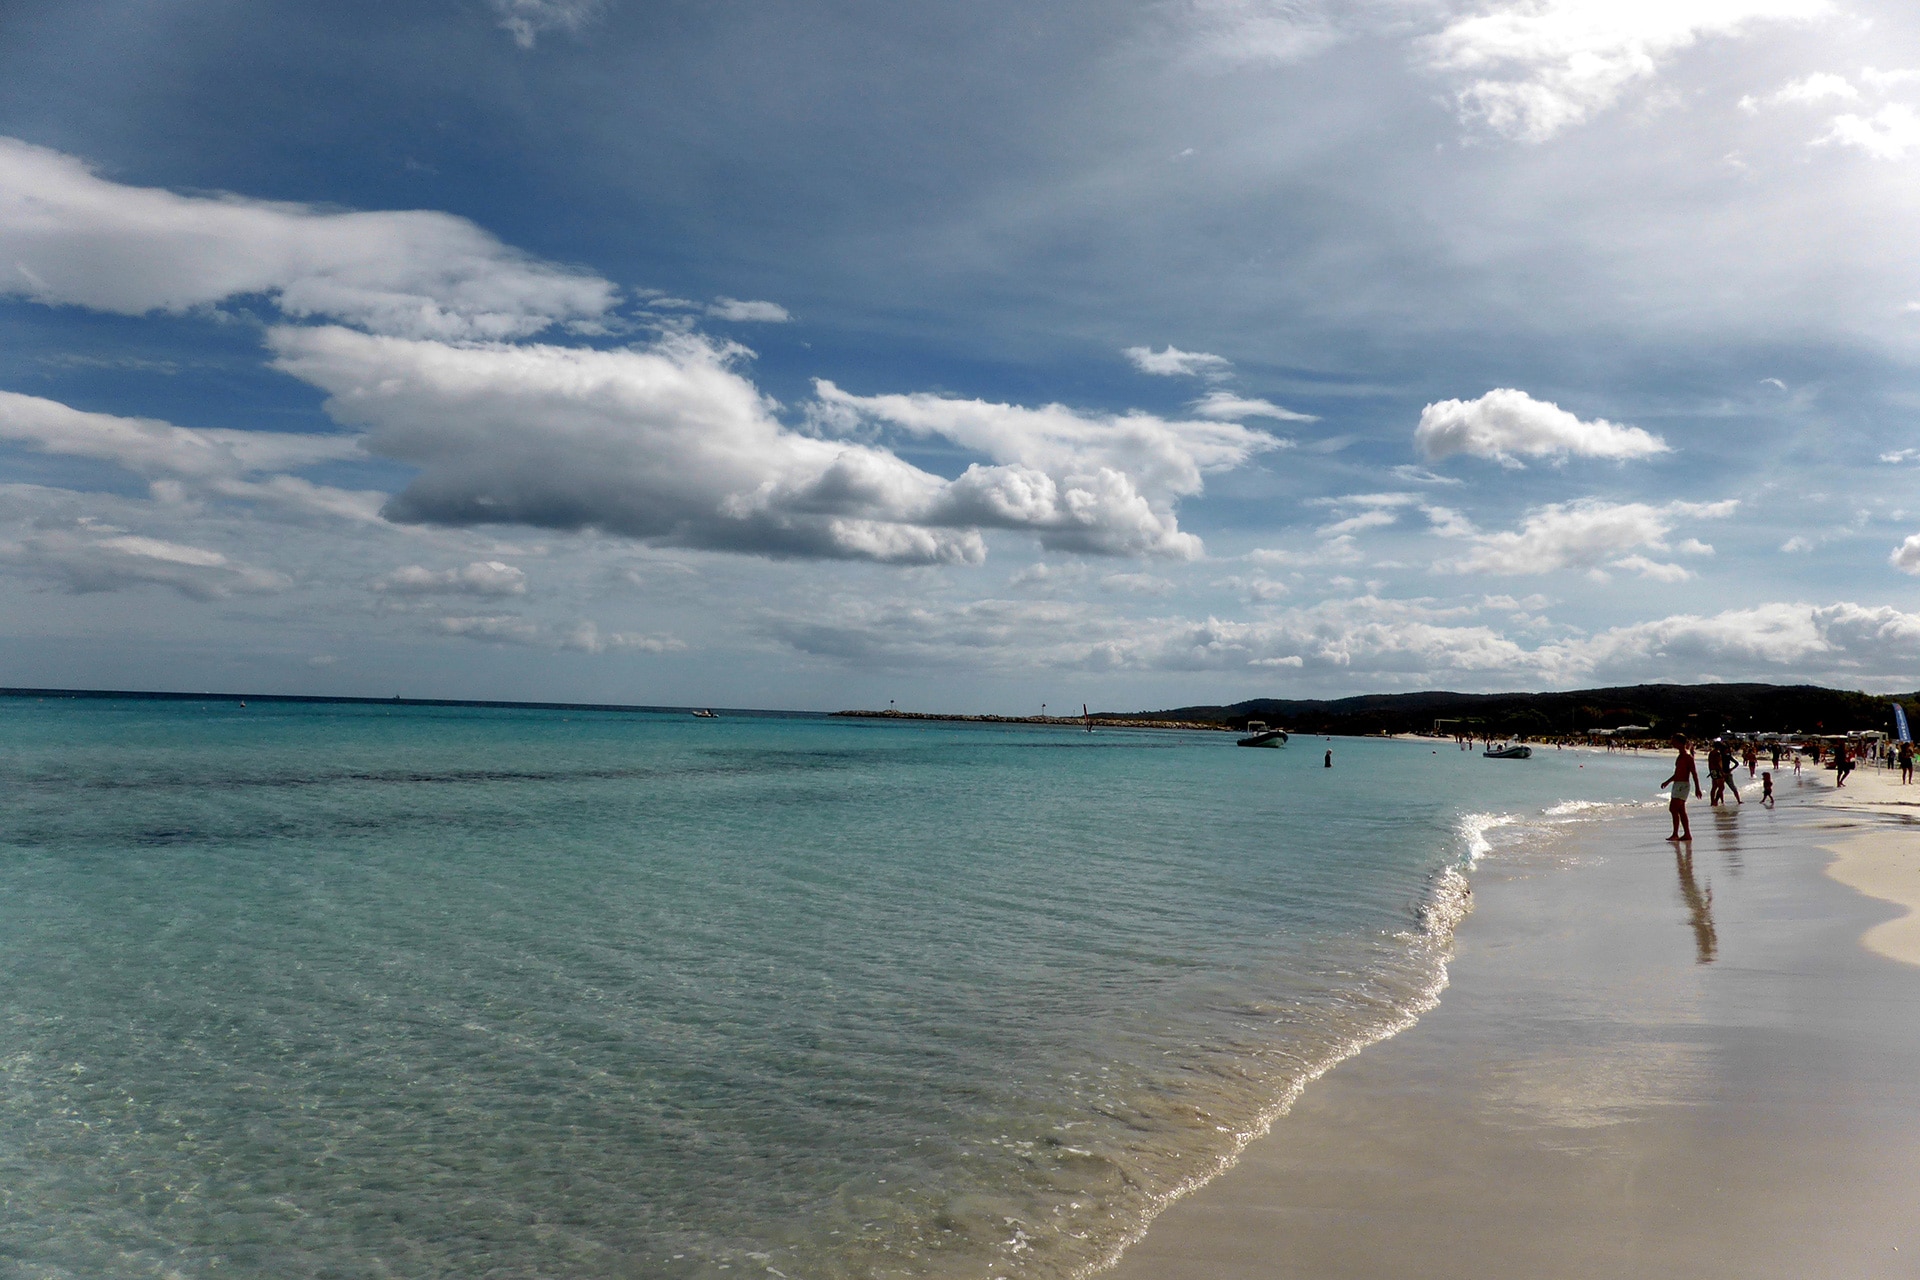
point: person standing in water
(1329, 761)
(1685, 774)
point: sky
(965, 357)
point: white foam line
(1440, 919)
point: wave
(1449, 901)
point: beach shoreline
(1632, 1038)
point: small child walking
(1766, 788)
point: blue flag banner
(1900, 722)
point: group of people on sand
(1684, 781)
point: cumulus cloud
(1833, 641)
(1888, 134)
(527, 20)
(1225, 404)
(1537, 67)
(1175, 363)
(68, 235)
(86, 557)
(1822, 86)
(1104, 483)
(1586, 535)
(481, 578)
(725, 308)
(1448, 523)
(1905, 557)
(673, 444)
(668, 443)
(1506, 424)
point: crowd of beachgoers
(1726, 755)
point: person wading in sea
(1685, 774)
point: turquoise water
(351, 991)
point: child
(1766, 788)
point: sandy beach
(1647, 1063)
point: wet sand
(1882, 859)
(1649, 1063)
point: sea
(365, 990)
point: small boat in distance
(1258, 735)
(1508, 751)
(705, 715)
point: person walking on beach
(1906, 763)
(1766, 788)
(1685, 774)
(1842, 766)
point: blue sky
(969, 356)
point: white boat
(1508, 751)
(1258, 735)
(705, 715)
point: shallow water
(354, 991)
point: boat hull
(1272, 738)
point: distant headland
(1641, 710)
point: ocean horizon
(352, 989)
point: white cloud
(582, 637)
(1584, 535)
(1139, 584)
(1225, 404)
(1657, 570)
(1175, 363)
(667, 443)
(1337, 550)
(1541, 66)
(1802, 640)
(152, 448)
(1420, 475)
(480, 578)
(1505, 424)
(1412, 639)
(673, 444)
(1448, 523)
(1906, 556)
(588, 638)
(70, 236)
(1884, 80)
(1900, 455)
(725, 308)
(527, 20)
(1103, 483)
(1821, 86)
(181, 462)
(1376, 518)
(86, 557)
(1888, 134)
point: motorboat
(1508, 751)
(1258, 735)
(705, 715)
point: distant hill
(1666, 708)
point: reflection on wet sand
(1699, 906)
(1727, 827)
